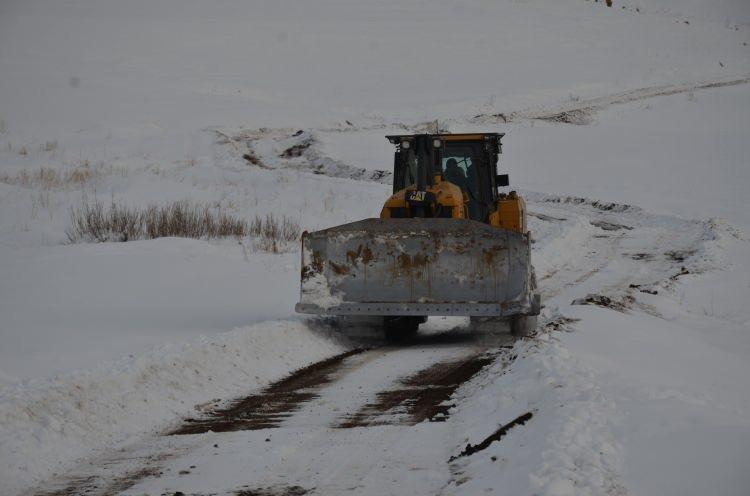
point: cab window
(460, 167)
(410, 174)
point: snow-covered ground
(102, 345)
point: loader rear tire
(489, 325)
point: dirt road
(359, 421)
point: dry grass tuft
(48, 146)
(48, 178)
(273, 232)
(93, 222)
(187, 220)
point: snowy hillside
(626, 130)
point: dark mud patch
(454, 336)
(648, 289)
(493, 118)
(644, 257)
(129, 480)
(683, 272)
(326, 166)
(273, 491)
(610, 226)
(303, 143)
(253, 159)
(495, 436)
(74, 486)
(578, 117)
(424, 395)
(599, 205)
(560, 324)
(618, 303)
(679, 255)
(273, 404)
(97, 486)
(547, 218)
(296, 150)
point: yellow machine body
(510, 213)
(448, 196)
(510, 210)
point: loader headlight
(405, 145)
(437, 143)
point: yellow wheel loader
(447, 242)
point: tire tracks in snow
(420, 397)
(613, 254)
(299, 149)
(268, 408)
(310, 397)
(581, 112)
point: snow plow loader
(447, 242)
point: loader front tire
(399, 329)
(522, 326)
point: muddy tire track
(273, 491)
(104, 483)
(422, 396)
(266, 409)
(273, 404)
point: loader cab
(467, 160)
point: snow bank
(45, 425)
(74, 306)
(558, 243)
(682, 398)
(568, 447)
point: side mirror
(502, 180)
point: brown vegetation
(94, 222)
(48, 178)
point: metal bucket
(416, 267)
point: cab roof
(398, 138)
